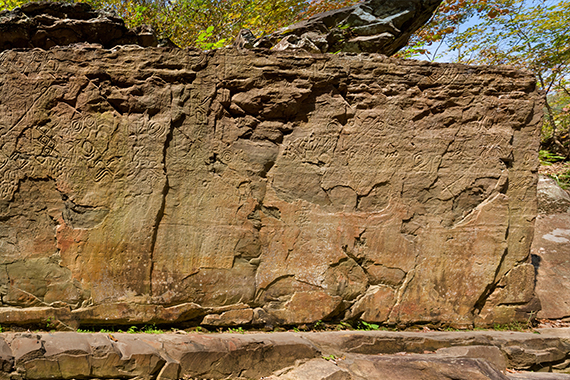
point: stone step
(286, 355)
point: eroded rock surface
(371, 26)
(164, 186)
(47, 24)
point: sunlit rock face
(162, 185)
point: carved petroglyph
(426, 162)
(304, 215)
(494, 151)
(77, 127)
(227, 156)
(311, 148)
(529, 160)
(47, 143)
(447, 76)
(185, 191)
(145, 126)
(201, 114)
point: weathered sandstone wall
(163, 185)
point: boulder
(371, 26)
(525, 351)
(48, 24)
(551, 249)
(552, 199)
(538, 376)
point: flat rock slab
(393, 367)
(419, 367)
(538, 376)
(349, 354)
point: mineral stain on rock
(161, 185)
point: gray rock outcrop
(371, 26)
(551, 250)
(47, 24)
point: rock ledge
(293, 356)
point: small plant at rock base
(547, 158)
(513, 326)
(132, 330)
(562, 180)
(238, 330)
(500, 327)
(368, 326)
(344, 326)
(330, 357)
(531, 321)
(319, 325)
(517, 326)
(151, 329)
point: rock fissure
(400, 292)
(164, 194)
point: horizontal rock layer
(350, 355)
(165, 186)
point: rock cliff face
(162, 186)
